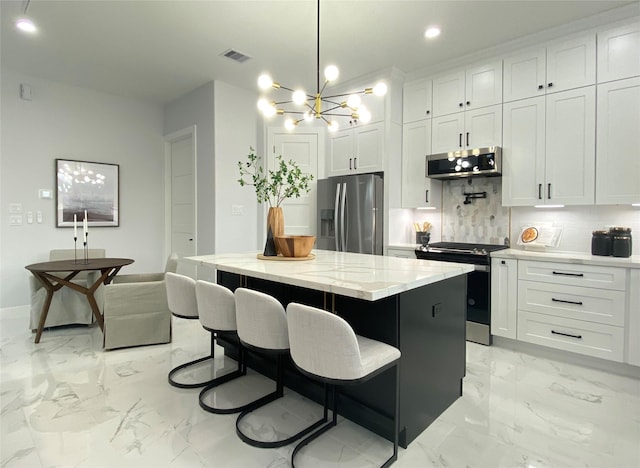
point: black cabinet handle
(502, 262)
(578, 337)
(550, 85)
(467, 138)
(460, 104)
(355, 166)
(428, 112)
(460, 140)
(562, 273)
(548, 191)
(539, 191)
(426, 196)
(540, 86)
(350, 164)
(468, 103)
(566, 302)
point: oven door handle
(481, 268)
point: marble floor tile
(66, 402)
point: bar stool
(181, 298)
(324, 347)
(262, 328)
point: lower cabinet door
(591, 339)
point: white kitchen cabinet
(619, 52)
(417, 101)
(477, 128)
(562, 65)
(549, 149)
(356, 150)
(618, 123)
(633, 330)
(504, 297)
(573, 307)
(417, 189)
(472, 88)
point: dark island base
(427, 324)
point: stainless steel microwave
(476, 162)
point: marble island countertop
(369, 277)
(569, 257)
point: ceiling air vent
(236, 56)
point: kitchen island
(416, 305)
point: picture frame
(87, 186)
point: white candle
(75, 226)
(86, 226)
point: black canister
(601, 243)
(620, 241)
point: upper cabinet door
(483, 127)
(448, 93)
(483, 85)
(417, 101)
(417, 189)
(368, 148)
(570, 147)
(571, 64)
(341, 152)
(447, 133)
(525, 75)
(617, 161)
(619, 53)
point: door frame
(167, 141)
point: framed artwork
(87, 186)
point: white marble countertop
(569, 257)
(369, 277)
(411, 247)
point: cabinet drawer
(574, 302)
(590, 276)
(591, 339)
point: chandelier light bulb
(265, 81)
(289, 124)
(26, 25)
(364, 115)
(331, 73)
(269, 110)
(262, 103)
(380, 89)
(308, 116)
(333, 126)
(354, 101)
(299, 97)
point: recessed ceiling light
(26, 25)
(431, 32)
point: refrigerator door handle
(336, 218)
(343, 230)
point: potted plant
(273, 186)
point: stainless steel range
(478, 281)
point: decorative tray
(539, 236)
(280, 258)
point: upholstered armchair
(135, 309)
(68, 307)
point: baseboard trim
(14, 312)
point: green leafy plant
(286, 180)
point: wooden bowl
(295, 246)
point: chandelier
(307, 107)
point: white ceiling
(159, 50)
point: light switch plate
(15, 207)
(237, 210)
(29, 217)
(15, 220)
(39, 216)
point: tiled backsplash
(481, 220)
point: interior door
(181, 194)
(299, 213)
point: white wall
(236, 130)
(75, 123)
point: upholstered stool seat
(262, 328)
(181, 298)
(324, 347)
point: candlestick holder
(75, 249)
(86, 248)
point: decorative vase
(275, 227)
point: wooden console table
(109, 267)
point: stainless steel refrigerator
(350, 214)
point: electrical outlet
(15, 220)
(15, 207)
(39, 216)
(237, 210)
(29, 217)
